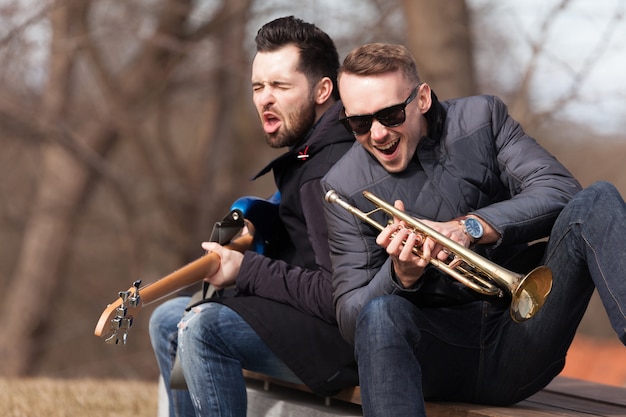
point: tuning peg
(121, 322)
(135, 298)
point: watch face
(474, 228)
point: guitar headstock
(119, 316)
(116, 320)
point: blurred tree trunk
(28, 298)
(221, 144)
(440, 39)
(66, 181)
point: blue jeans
(475, 352)
(163, 328)
(214, 344)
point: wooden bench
(351, 395)
(563, 397)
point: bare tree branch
(578, 77)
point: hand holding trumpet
(400, 241)
(528, 292)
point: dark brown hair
(380, 58)
(318, 55)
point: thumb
(212, 247)
(399, 204)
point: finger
(397, 241)
(211, 247)
(419, 240)
(406, 254)
(248, 228)
(398, 204)
(437, 251)
(385, 235)
(444, 254)
(209, 280)
(426, 248)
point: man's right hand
(230, 264)
(399, 242)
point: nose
(265, 96)
(378, 131)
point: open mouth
(271, 123)
(388, 148)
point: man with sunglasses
(466, 169)
(279, 320)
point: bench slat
(562, 397)
(351, 395)
(590, 390)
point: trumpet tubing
(528, 292)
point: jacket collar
(316, 139)
(435, 116)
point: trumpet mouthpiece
(331, 196)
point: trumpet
(528, 292)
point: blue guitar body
(269, 231)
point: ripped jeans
(163, 329)
(214, 344)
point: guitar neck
(183, 277)
(189, 274)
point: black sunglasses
(391, 116)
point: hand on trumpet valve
(403, 246)
(411, 251)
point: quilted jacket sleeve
(539, 184)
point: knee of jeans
(381, 312)
(200, 323)
(591, 204)
(610, 193)
(603, 187)
(166, 316)
(599, 192)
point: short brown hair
(380, 58)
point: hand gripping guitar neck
(117, 318)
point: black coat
(288, 299)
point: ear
(424, 98)
(323, 90)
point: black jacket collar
(315, 140)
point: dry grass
(47, 397)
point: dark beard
(302, 121)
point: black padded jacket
(288, 299)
